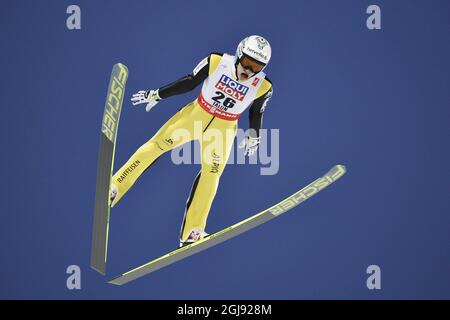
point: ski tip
(121, 65)
(342, 167)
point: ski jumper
(212, 119)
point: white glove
(250, 144)
(150, 97)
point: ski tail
(110, 125)
(287, 204)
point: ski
(287, 204)
(110, 124)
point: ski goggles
(251, 64)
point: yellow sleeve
(263, 88)
(214, 60)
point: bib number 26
(227, 102)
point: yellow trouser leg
(164, 140)
(216, 145)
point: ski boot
(195, 235)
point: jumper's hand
(150, 97)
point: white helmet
(256, 47)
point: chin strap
(235, 69)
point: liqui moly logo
(232, 88)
